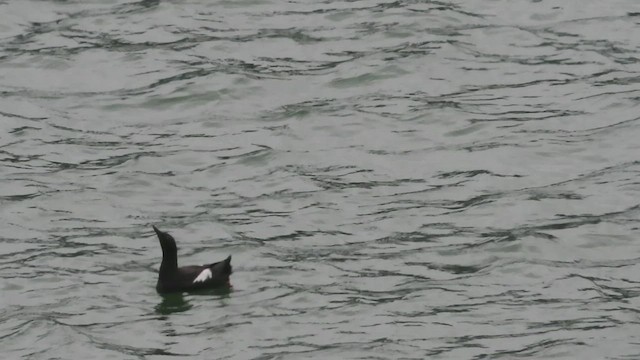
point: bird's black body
(188, 278)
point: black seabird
(188, 278)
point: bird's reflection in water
(173, 303)
(177, 302)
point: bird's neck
(169, 261)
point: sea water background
(394, 179)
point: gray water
(394, 179)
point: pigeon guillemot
(188, 278)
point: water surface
(394, 179)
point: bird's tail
(223, 268)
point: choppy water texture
(394, 179)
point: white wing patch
(204, 275)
